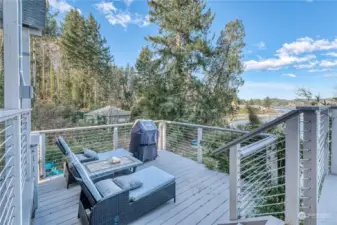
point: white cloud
(141, 21)
(122, 19)
(105, 7)
(294, 54)
(327, 63)
(274, 63)
(119, 17)
(261, 45)
(333, 54)
(60, 5)
(305, 45)
(128, 2)
(290, 74)
(319, 70)
(309, 65)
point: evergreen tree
(150, 88)
(51, 27)
(253, 118)
(223, 79)
(73, 38)
(89, 59)
(267, 102)
(180, 48)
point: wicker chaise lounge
(110, 201)
(65, 149)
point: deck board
(202, 196)
(327, 210)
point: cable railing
(6, 171)
(24, 148)
(262, 178)
(98, 138)
(198, 142)
(14, 158)
(189, 140)
(277, 169)
(281, 175)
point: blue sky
(289, 44)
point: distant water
(244, 122)
(283, 110)
(265, 119)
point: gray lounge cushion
(81, 157)
(128, 183)
(90, 153)
(85, 178)
(64, 145)
(108, 188)
(114, 153)
(152, 178)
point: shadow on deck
(202, 196)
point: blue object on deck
(194, 142)
(49, 165)
(51, 170)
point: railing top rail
(6, 114)
(211, 127)
(82, 128)
(314, 108)
(260, 129)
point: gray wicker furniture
(65, 149)
(105, 202)
(99, 169)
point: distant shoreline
(242, 119)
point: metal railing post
(16, 142)
(26, 102)
(115, 138)
(199, 139)
(326, 141)
(334, 141)
(292, 194)
(311, 120)
(42, 155)
(160, 137)
(234, 176)
(164, 129)
(35, 173)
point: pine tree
(73, 38)
(51, 27)
(223, 79)
(180, 47)
(267, 102)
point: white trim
(292, 198)
(115, 138)
(234, 176)
(257, 146)
(199, 139)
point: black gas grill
(144, 137)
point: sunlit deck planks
(327, 210)
(202, 196)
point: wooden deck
(202, 196)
